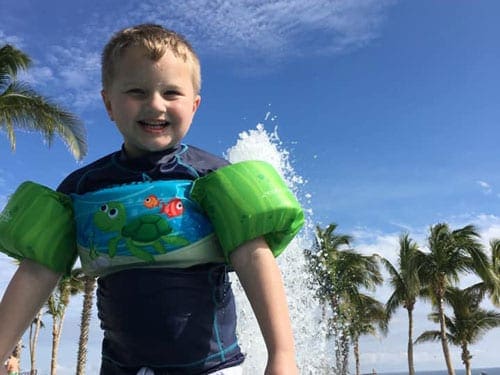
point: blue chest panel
(147, 224)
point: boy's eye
(170, 93)
(136, 92)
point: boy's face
(151, 102)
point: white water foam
(305, 312)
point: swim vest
(146, 224)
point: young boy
(162, 313)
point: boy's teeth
(148, 123)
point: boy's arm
(28, 290)
(261, 279)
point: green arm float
(37, 223)
(247, 200)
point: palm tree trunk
(338, 332)
(85, 324)
(356, 356)
(466, 357)
(340, 356)
(444, 340)
(341, 350)
(55, 347)
(467, 368)
(34, 340)
(56, 338)
(338, 348)
(345, 354)
(411, 366)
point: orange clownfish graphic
(151, 201)
(172, 209)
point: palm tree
(23, 108)
(468, 323)
(354, 272)
(406, 287)
(340, 273)
(321, 261)
(451, 254)
(366, 316)
(56, 306)
(88, 296)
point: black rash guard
(174, 321)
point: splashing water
(305, 313)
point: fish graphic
(151, 201)
(173, 208)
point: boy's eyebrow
(169, 86)
(142, 82)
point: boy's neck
(148, 160)
(124, 155)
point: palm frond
(12, 61)
(428, 336)
(23, 108)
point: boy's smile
(151, 102)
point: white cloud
(486, 187)
(272, 28)
(10, 39)
(36, 74)
(385, 245)
(77, 71)
(489, 226)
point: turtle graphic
(144, 231)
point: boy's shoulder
(203, 161)
(72, 179)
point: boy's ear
(107, 104)
(196, 103)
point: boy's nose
(157, 102)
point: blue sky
(389, 109)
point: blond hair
(156, 41)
